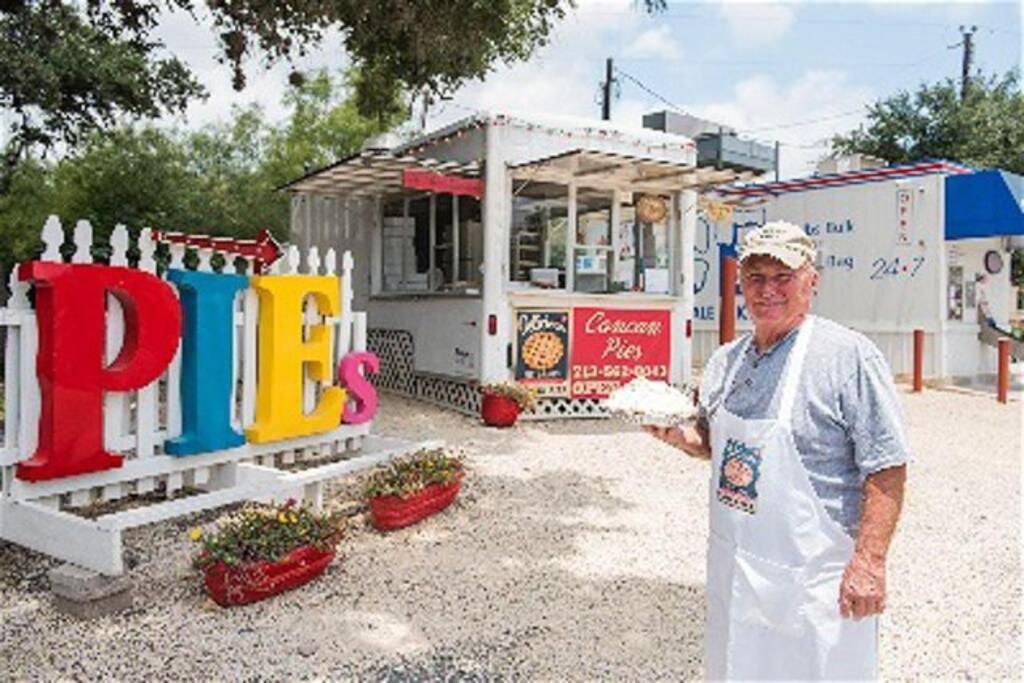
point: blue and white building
(917, 246)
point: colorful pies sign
(73, 377)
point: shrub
(524, 397)
(406, 476)
(261, 533)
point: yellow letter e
(284, 355)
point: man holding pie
(802, 427)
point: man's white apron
(775, 556)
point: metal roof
(372, 173)
(588, 167)
(870, 175)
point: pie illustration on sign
(542, 350)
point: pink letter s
(360, 391)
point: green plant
(525, 397)
(267, 533)
(406, 476)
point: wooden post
(727, 315)
(918, 359)
(1003, 392)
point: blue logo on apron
(737, 478)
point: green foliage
(985, 129)
(220, 180)
(67, 67)
(63, 75)
(408, 475)
(23, 210)
(525, 397)
(267, 534)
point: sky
(794, 72)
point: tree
(985, 129)
(63, 77)
(65, 70)
(219, 180)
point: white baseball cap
(781, 240)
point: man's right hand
(693, 441)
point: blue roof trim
(984, 204)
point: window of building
(540, 216)
(642, 250)
(593, 255)
(432, 243)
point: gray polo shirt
(847, 421)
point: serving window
(432, 243)
(540, 219)
(621, 247)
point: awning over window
(984, 204)
(374, 173)
(611, 169)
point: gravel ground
(576, 552)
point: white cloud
(656, 42)
(803, 115)
(561, 78)
(756, 24)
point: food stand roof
(599, 168)
(373, 172)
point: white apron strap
(794, 368)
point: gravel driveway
(576, 552)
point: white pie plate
(652, 418)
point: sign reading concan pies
(542, 351)
(611, 346)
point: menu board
(542, 351)
(612, 346)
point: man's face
(774, 292)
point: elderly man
(801, 423)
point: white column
(496, 248)
(570, 241)
(684, 227)
(376, 228)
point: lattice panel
(395, 350)
(461, 396)
(562, 408)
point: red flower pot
(395, 512)
(499, 411)
(241, 584)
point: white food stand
(555, 252)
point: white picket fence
(47, 516)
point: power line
(640, 84)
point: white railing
(43, 515)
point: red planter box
(395, 512)
(499, 411)
(242, 584)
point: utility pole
(606, 91)
(965, 70)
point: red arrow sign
(264, 250)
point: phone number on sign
(619, 372)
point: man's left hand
(862, 591)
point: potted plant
(265, 550)
(502, 403)
(411, 488)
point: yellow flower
(195, 534)
(282, 518)
(294, 518)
